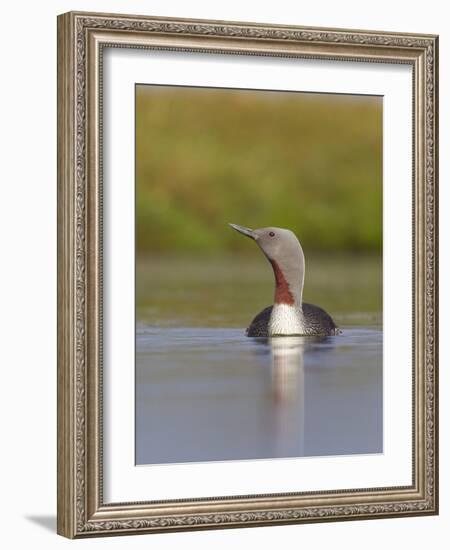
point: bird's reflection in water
(287, 368)
(288, 392)
(288, 389)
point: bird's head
(282, 248)
(279, 245)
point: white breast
(286, 320)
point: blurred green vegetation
(206, 157)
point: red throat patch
(283, 295)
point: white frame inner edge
(125, 482)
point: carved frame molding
(81, 39)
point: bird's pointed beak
(244, 230)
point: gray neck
(295, 276)
(289, 274)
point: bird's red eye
(272, 234)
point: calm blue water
(207, 394)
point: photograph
(259, 297)
(223, 243)
(247, 274)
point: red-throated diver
(288, 315)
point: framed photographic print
(247, 276)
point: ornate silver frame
(81, 38)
